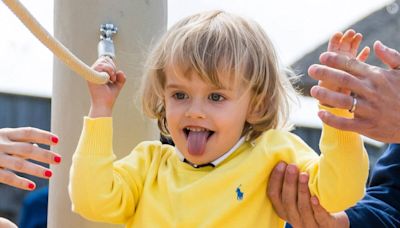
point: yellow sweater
(151, 187)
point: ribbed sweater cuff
(340, 136)
(337, 111)
(96, 138)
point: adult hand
(291, 199)
(377, 107)
(346, 44)
(17, 145)
(5, 223)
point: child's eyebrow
(173, 86)
(221, 87)
(180, 86)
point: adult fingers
(350, 65)
(343, 123)
(12, 179)
(274, 190)
(323, 218)
(31, 151)
(387, 55)
(30, 134)
(289, 195)
(5, 223)
(23, 166)
(337, 78)
(303, 202)
(339, 100)
(331, 98)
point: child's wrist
(100, 111)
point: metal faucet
(106, 44)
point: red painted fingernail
(57, 159)
(54, 139)
(48, 173)
(31, 186)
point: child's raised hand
(104, 96)
(346, 44)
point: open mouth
(197, 130)
(197, 138)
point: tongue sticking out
(197, 142)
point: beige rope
(54, 45)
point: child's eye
(216, 97)
(180, 96)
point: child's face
(204, 121)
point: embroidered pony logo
(239, 193)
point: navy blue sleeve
(381, 205)
(34, 210)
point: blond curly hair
(213, 42)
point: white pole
(76, 25)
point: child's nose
(195, 110)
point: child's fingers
(105, 64)
(325, 84)
(334, 42)
(355, 44)
(364, 54)
(120, 78)
(110, 61)
(348, 35)
(105, 67)
(345, 42)
(333, 87)
(104, 59)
